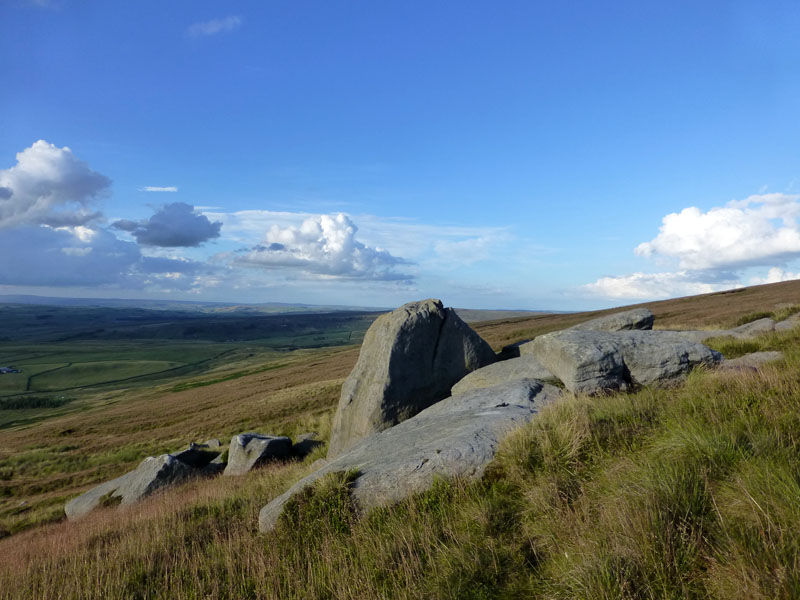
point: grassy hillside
(684, 493)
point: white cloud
(215, 26)
(759, 230)
(49, 186)
(323, 245)
(647, 286)
(155, 188)
(174, 225)
(775, 275)
(419, 242)
(712, 248)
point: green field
(70, 357)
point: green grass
(690, 492)
(777, 315)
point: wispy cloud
(215, 26)
(156, 188)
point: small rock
(152, 474)
(249, 450)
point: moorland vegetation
(683, 493)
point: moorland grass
(690, 492)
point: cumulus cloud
(759, 230)
(174, 225)
(646, 286)
(775, 275)
(49, 186)
(215, 26)
(711, 249)
(324, 245)
(156, 188)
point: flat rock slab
(410, 359)
(250, 450)
(592, 362)
(788, 323)
(524, 367)
(455, 437)
(751, 361)
(152, 474)
(748, 331)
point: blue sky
(493, 154)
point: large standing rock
(638, 318)
(249, 450)
(410, 359)
(592, 362)
(524, 367)
(152, 474)
(455, 437)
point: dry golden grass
(708, 311)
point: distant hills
(218, 308)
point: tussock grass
(690, 492)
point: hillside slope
(687, 493)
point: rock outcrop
(524, 367)
(152, 474)
(593, 362)
(251, 450)
(629, 320)
(455, 437)
(409, 360)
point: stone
(410, 358)
(788, 323)
(524, 367)
(661, 359)
(753, 329)
(250, 450)
(587, 362)
(455, 437)
(305, 443)
(199, 455)
(638, 318)
(752, 361)
(593, 362)
(747, 331)
(152, 474)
